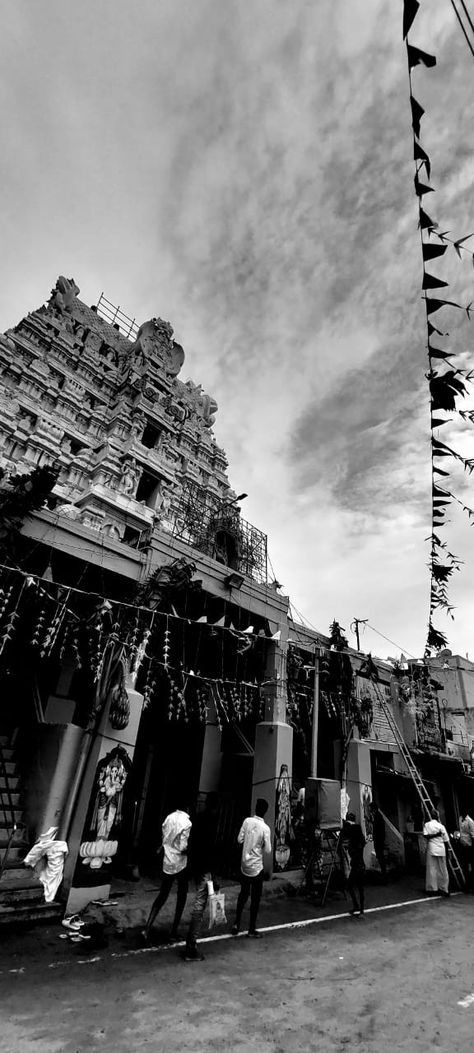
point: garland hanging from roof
(447, 382)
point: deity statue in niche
(283, 826)
(130, 476)
(106, 818)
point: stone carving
(203, 405)
(6, 341)
(155, 338)
(130, 476)
(63, 295)
(69, 510)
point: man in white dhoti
(437, 878)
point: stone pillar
(89, 882)
(274, 737)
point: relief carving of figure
(155, 337)
(204, 405)
(63, 295)
(130, 476)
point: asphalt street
(391, 980)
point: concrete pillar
(86, 883)
(274, 737)
(211, 763)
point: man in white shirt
(255, 839)
(175, 836)
(437, 878)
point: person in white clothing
(255, 839)
(466, 846)
(175, 830)
(437, 878)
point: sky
(245, 171)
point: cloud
(245, 170)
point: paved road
(390, 981)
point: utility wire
(458, 16)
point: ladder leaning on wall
(426, 803)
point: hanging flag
(221, 621)
(276, 636)
(410, 11)
(422, 188)
(202, 620)
(430, 281)
(248, 630)
(417, 112)
(434, 305)
(425, 221)
(457, 244)
(431, 251)
(432, 329)
(417, 57)
(419, 154)
(437, 423)
(436, 352)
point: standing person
(176, 829)
(437, 878)
(202, 865)
(354, 841)
(378, 827)
(466, 844)
(255, 839)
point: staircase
(21, 893)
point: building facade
(139, 566)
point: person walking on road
(175, 830)
(202, 865)
(255, 839)
(378, 828)
(354, 841)
(437, 878)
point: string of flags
(447, 381)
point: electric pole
(315, 727)
(355, 628)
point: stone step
(10, 783)
(14, 797)
(19, 877)
(16, 854)
(10, 768)
(29, 912)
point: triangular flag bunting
(248, 630)
(415, 57)
(419, 154)
(276, 636)
(459, 242)
(431, 251)
(417, 112)
(430, 281)
(436, 352)
(426, 223)
(410, 10)
(432, 329)
(422, 188)
(202, 620)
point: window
(151, 436)
(148, 489)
